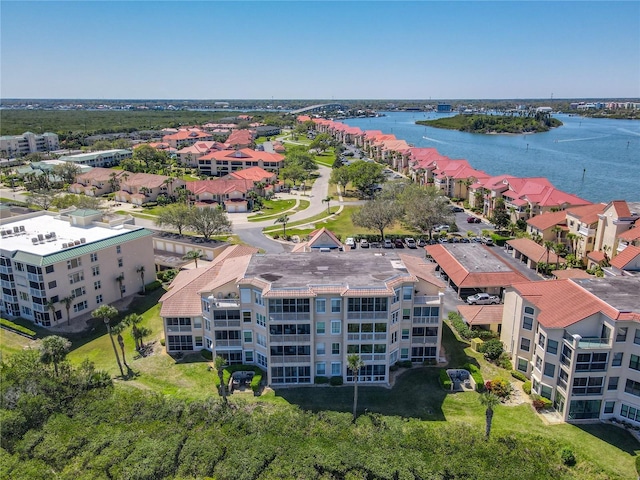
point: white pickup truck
(483, 299)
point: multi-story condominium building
(103, 158)
(12, 145)
(578, 341)
(55, 268)
(218, 163)
(299, 315)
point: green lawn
(272, 208)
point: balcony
(426, 320)
(228, 343)
(289, 338)
(370, 357)
(424, 340)
(367, 315)
(10, 298)
(426, 299)
(8, 284)
(178, 328)
(586, 343)
(6, 270)
(37, 293)
(226, 323)
(279, 360)
(289, 316)
(357, 337)
(587, 232)
(226, 303)
(35, 278)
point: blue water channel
(596, 159)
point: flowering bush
(499, 387)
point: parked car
(411, 243)
(441, 228)
(483, 299)
(398, 243)
(455, 209)
(473, 220)
(487, 241)
(387, 243)
(350, 242)
(364, 243)
(422, 242)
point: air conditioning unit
(64, 245)
(83, 240)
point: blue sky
(319, 50)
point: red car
(473, 220)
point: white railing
(226, 303)
(366, 336)
(290, 316)
(425, 299)
(228, 343)
(226, 323)
(279, 360)
(369, 357)
(178, 328)
(426, 320)
(586, 231)
(424, 340)
(289, 338)
(367, 315)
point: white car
(483, 299)
(350, 242)
(410, 242)
(441, 228)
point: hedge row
(445, 380)
(518, 375)
(477, 376)
(17, 328)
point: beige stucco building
(46, 258)
(299, 315)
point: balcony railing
(7, 284)
(35, 278)
(367, 315)
(586, 231)
(356, 337)
(586, 342)
(426, 320)
(370, 357)
(178, 328)
(226, 323)
(424, 340)
(37, 293)
(10, 298)
(228, 343)
(6, 270)
(425, 299)
(279, 360)
(289, 338)
(226, 303)
(290, 316)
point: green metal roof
(84, 212)
(82, 249)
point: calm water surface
(597, 159)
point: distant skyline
(321, 50)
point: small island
(489, 124)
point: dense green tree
(321, 143)
(364, 176)
(176, 216)
(67, 171)
(134, 321)
(53, 350)
(341, 176)
(377, 214)
(209, 221)
(43, 199)
(500, 217)
(424, 208)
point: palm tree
(548, 245)
(68, 301)
(107, 313)
(140, 270)
(558, 231)
(355, 363)
(143, 332)
(51, 305)
(327, 199)
(194, 255)
(219, 364)
(117, 330)
(284, 219)
(119, 280)
(489, 400)
(572, 237)
(54, 349)
(134, 320)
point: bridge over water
(316, 108)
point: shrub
(484, 334)
(335, 381)
(461, 327)
(504, 361)
(526, 387)
(540, 403)
(206, 354)
(404, 364)
(17, 328)
(429, 362)
(477, 376)
(518, 375)
(321, 380)
(638, 464)
(162, 342)
(445, 381)
(150, 287)
(568, 457)
(394, 367)
(499, 387)
(492, 349)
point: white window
(321, 305)
(78, 292)
(24, 296)
(197, 322)
(198, 341)
(248, 336)
(404, 353)
(396, 296)
(98, 299)
(335, 349)
(94, 257)
(257, 298)
(120, 262)
(407, 293)
(320, 328)
(76, 277)
(74, 263)
(245, 295)
(320, 349)
(336, 305)
(248, 356)
(335, 327)
(78, 307)
(118, 249)
(321, 368)
(95, 271)
(97, 285)
(261, 340)
(394, 316)
(261, 319)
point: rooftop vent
(16, 229)
(64, 245)
(34, 240)
(21, 227)
(83, 240)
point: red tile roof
(481, 314)
(219, 186)
(621, 208)
(571, 273)
(466, 279)
(631, 234)
(596, 256)
(255, 174)
(533, 251)
(245, 154)
(625, 257)
(240, 137)
(421, 269)
(99, 174)
(548, 220)
(563, 302)
(140, 180)
(587, 214)
(187, 134)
